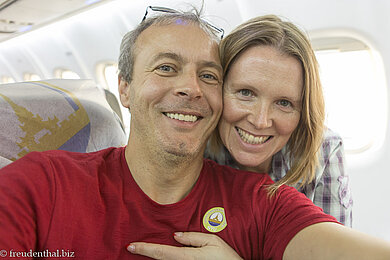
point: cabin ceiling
(18, 16)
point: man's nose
(189, 86)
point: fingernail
(131, 248)
(178, 234)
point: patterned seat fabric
(70, 115)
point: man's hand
(201, 246)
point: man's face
(175, 95)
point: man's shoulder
(59, 160)
(77, 156)
(253, 186)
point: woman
(273, 117)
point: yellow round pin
(215, 219)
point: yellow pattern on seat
(58, 132)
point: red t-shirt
(89, 205)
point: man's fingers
(157, 251)
(197, 239)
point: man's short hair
(128, 45)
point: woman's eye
(285, 103)
(246, 92)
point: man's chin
(184, 152)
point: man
(93, 205)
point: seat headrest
(70, 115)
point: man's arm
(333, 241)
(324, 240)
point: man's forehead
(174, 39)
(173, 32)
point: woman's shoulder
(331, 137)
(332, 143)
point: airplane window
(111, 77)
(354, 85)
(6, 79)
(66, 74)
(107, 74)
(31, 77)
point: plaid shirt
(329, 190)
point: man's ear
(124, 93)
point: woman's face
(262, 105)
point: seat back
(71, 115)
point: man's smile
(183, 117)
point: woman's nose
(260, 117)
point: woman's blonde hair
(305, 141)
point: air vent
(7, 26)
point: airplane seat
(4, 161)
(63, 114)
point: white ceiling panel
(18, 16)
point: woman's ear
(124, 93)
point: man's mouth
(251, 139)
(182, 117)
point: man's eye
(166, 68)
(209, 76)
(246, 92)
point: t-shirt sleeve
(283, 216)
(26, 196)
